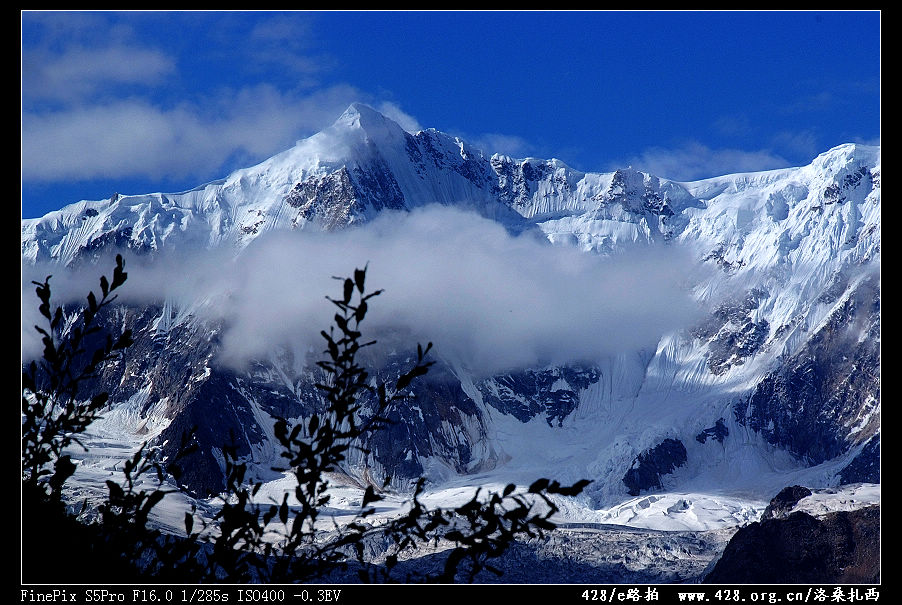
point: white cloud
(803, 143)
(484, 297)
(135, 137)
(505, 144)
(490, 299)
(284, 41)
(865, 141)
(694, 161)
(394, 112)
(80, 72)
(99, 103)
(733, 125)
(107, 111)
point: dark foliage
(52, 414)
(247, 541)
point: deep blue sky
(140, 102)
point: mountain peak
(357, 109)
(849, 153)
(364, 117)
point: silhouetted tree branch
(247, 540)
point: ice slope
(362, 163)
(112, 440)
(427, 168)
(786, 235)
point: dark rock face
(718, 432)
(627, 189)
(516, 182)
(171, 371)
(650, 465)
(733, 345)
(337, 198)
(375, 185)
(785, 501)
(218, 416)
(865, 468)
(841, 547)
(120, 239)
(439, 422)
(719, 256)
(838, 193)
(526, 394)
(639, 195)
(330, 196)
(656, 204)
(732, 335)
(824, 400)
(837, 287)
(429, 150)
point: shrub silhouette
(247, 541)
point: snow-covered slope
(362, 164)
(775, 382)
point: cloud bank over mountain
(486, 298)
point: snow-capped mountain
(363, 164)
(774, 382)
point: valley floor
(653, 538)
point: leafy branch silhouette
(291, 540)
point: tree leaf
(574, 489)
(283, 510)
(64, 469)
(370, 495)
(116, 493)
(359, 278)
(538, 486)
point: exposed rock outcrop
(840, 547)
(650, 465)
(784, 502)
